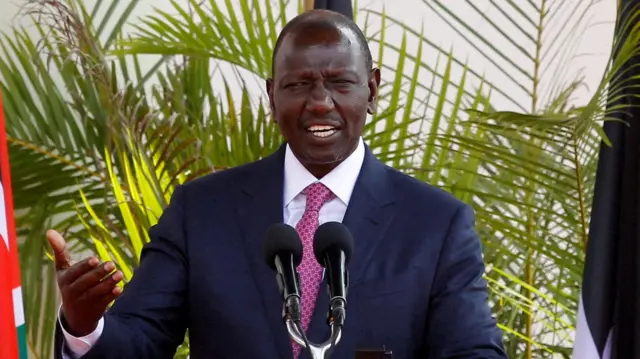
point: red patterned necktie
(310, 270)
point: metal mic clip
(337, 312)
(291, 310)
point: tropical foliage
(98, 140)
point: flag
(609, 310)
(343, 7)
(12, 328)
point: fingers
(86, 287)
(106, 290)
(58, 244)
(76, 271)
(91, 278)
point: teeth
(320, 128)
(324, 133)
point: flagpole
(309, 5)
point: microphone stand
(318, 351)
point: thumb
(59, 246)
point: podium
(373, 354)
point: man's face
(320, 95)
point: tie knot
(317, 194)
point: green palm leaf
(528, 170)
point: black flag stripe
(611, 282)
(343, 7)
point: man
(416, 273)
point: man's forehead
(318, 35)
(297, 45)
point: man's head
(322, 88)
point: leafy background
(103, 123)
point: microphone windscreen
(332, 236)
(282, 239)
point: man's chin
(325, 156)
(319, 165)
(319, 158)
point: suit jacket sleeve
(148, 321)
(460, 324)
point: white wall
(592, 41)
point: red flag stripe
(9, 268)
(8, 335)
(5, 177)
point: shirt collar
(340, 180)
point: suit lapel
(368, 215)
(259, 207)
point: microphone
(333, 247)
(283, 253)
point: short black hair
(323, 19)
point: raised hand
(87, 287)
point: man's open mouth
(322, 130)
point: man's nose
(320, 101)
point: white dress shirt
(341, 181)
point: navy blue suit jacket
(416, 274)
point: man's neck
(319, 171)
(340, 179)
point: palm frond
(526, 167)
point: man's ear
(269, 86)
(374, 82)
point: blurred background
(110, 104)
